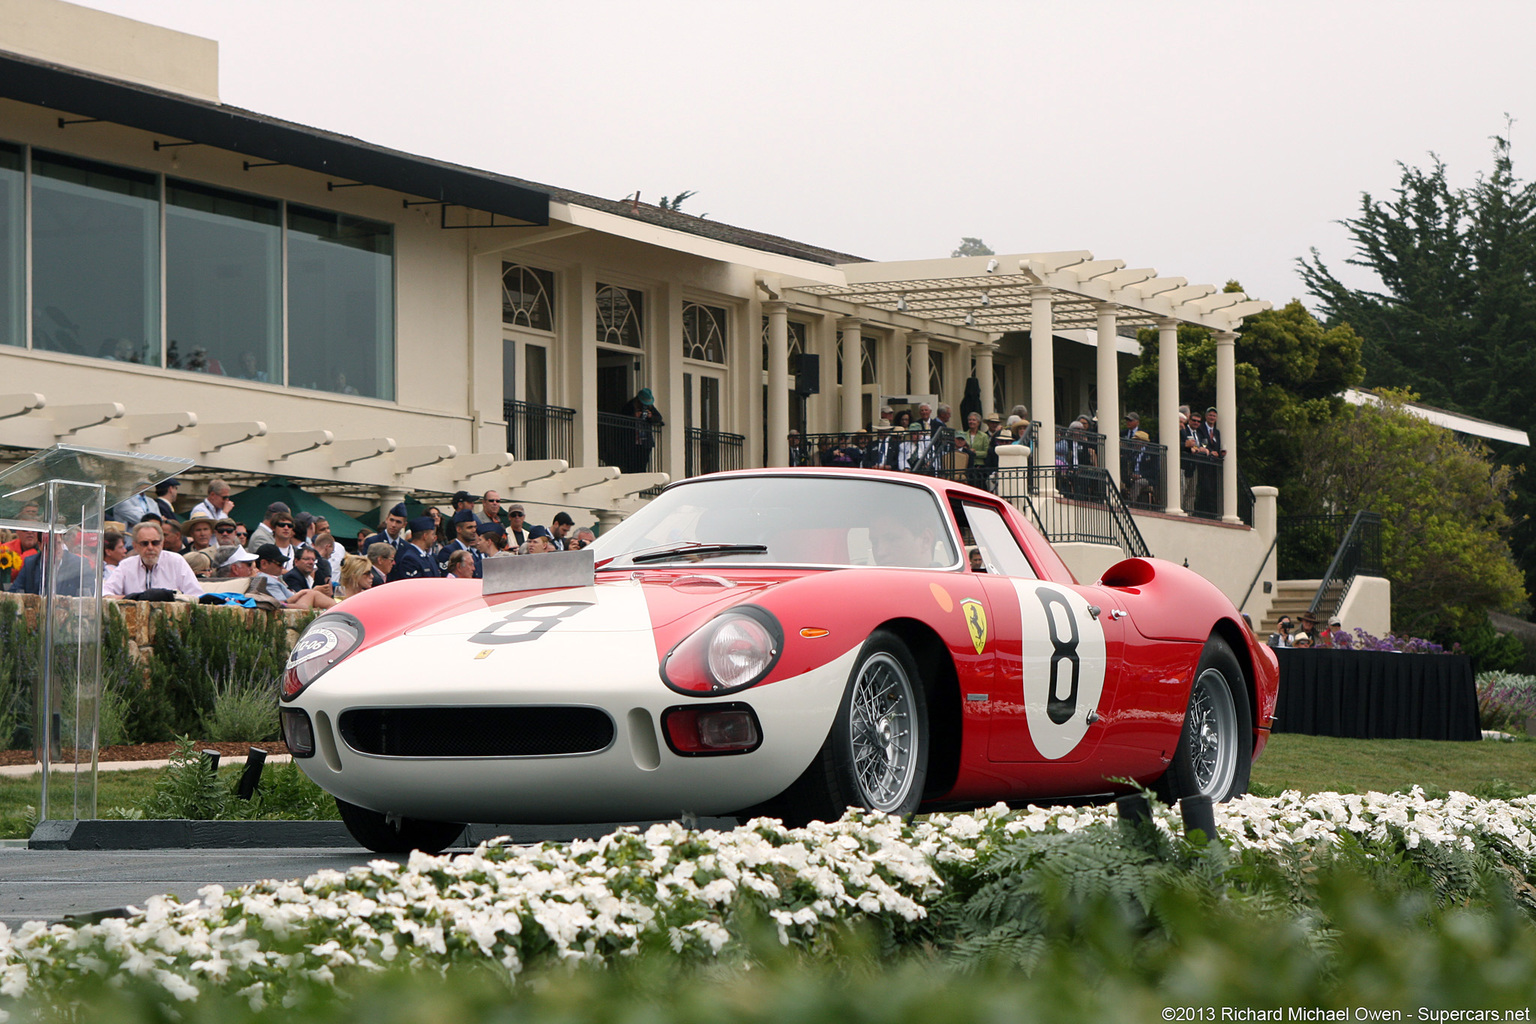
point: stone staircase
(1292, 597)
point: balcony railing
(1085, 507)
(710, 451)
(628, 443)
(540, 431)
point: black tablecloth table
(1377, 695)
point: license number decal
(315, 643)
(1064, 667)
(528, 622)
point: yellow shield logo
(975, 621)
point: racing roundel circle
(1064, 659)
(315, 643)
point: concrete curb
(183, 834)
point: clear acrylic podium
(50, 690)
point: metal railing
(628, 443)
(1309, 545)
(1071, 506)
(540, 431)
(1141, 473)
(1358, 553)
(710, 451)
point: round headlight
(740, 650)
(728, 653)
(328, 640)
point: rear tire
(1215, 752)
(388, 834)
(876, 755)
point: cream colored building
(182, 277)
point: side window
(1000, 551)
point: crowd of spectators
(289, 560)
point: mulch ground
(145, 752)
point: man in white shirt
(218, 505)
(150, 567)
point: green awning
(251, 507)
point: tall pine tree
(1454, 318)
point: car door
(1056, 652)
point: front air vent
(477, 731)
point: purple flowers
(1363, 641)
(1505, 700)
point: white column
(1226, 420)
(1109, 388)
(1168, 412)
(824, 403)
(984, 351)
(580, 376)
(917, 349)
(1042, 374)
(777, 412)
(666, 376)
(853, 372)
(888, 362)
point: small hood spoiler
(507, 574)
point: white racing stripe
(1064, 665)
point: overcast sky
(1210, 140)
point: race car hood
(630, 601)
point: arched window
(796, 343)
(527, 297)
(704, 332)
(620, 316)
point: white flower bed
(614, 896)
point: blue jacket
(411, 563)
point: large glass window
(13, 238)
(341, 303)
(223, 274)
(95, 259)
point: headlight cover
(328, 640)
(729, 653)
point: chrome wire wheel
(881, 726)
(1213, 734)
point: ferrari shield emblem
(975, 621)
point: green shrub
(1491, 650)
(243, 709)
(187, 788)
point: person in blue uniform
(415, 560)
(393, 533)
(464, 540)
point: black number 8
(1058, 708)
(553, 613)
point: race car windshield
(779, 520)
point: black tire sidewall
(375, 832)
(838, 750)
(1179, 781)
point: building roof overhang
(1455, 421)
(995, 294)
(71, 91)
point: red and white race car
(790, 642)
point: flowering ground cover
(962, 892)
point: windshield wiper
(694, 549)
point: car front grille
(477, 731)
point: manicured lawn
(1314, 764)
(19, 796)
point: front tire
(876, 755)
(1215, 752)
(383, 833)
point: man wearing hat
(881, 453)
(393, 533)
(464, 540)
(636, 457)
(463, 500)
(263, 534)
(414, 562)
(269, 567)
(517, 525)
(559, 527)
(165, 497)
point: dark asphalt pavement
(48, 885)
